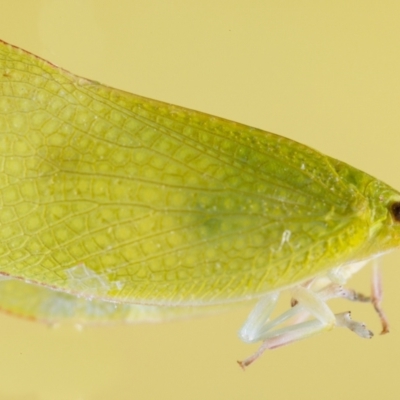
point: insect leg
(376, 297)
(333, 290)
(344, 319)
(306, 301)
(259, 317)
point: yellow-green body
(109, 195)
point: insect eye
(396, 211)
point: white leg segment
(258, 318)
(306, 303)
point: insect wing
(110, 195)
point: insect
(115, 207)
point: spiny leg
(330, 291)
(307, 303)
(344, 320)
(375, 298)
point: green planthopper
(115, 207)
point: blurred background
(323, 73)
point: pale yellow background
(325, 73)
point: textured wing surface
(156, 203)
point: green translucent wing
(152, 203)
(42, 304)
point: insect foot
(344, 320)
